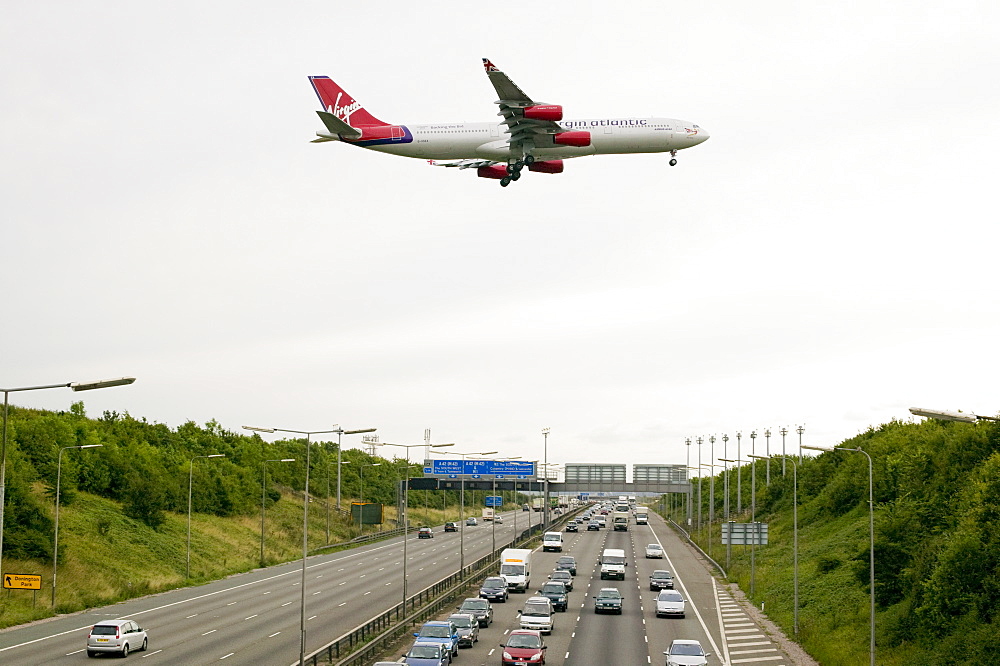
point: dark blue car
(427, 654)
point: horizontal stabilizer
(337, 126)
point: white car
(669, 602)
(686, 653)
(121, 636)
(654, 550)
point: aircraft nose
(701, 136)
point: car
(523, 646)
(661, 579)
(566, 563)
(563, 576)
(443, 633)
(537, 614)
(555, 591)
(593, 525)
(686, 653)
(654, 551)
(602, 521)
(121, 636)
(425, 533)
(451, 527)
(425, 654)
(494, 588)
(471, 521)
(478, 608)
(669, 602)
(608, 600)
(468, 628)
(572, 527)
(498, 519)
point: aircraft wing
(525, 132)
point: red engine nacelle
(496, 171)
(546, 166)
(577, 139)
(544, 112)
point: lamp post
(55, 547)
(340, 431)
(687, 443)
(739, 475)
(784, 456)
(871, 545)
(944, 415)
(725, 477)
(328, 463)
(795, 546)
(75, 386)
(305, 522)
(800, 429)
(187, 570)
(545, 492)
(711, 488)
(767, 452)
(461, 511)
(263, 476)
(699, 483)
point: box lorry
(487, 513)
(515, 566)
(613, 563)
(537, 503)
(641, 515)
(552, 541)
(619, 520)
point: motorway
(254, 618)
(581, 637)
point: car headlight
(536, 657)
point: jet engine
(546, 166)
(496, 171)
(577, 139)
(552, 112)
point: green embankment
(937, 545)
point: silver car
(468, 628)
(121, 636)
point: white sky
(827, 257)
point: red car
(523, 647)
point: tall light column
(340, 431)
(711, 489)
(75, 386)
(739, 474)
(784, 455)
(725, 477)
(55, 547)
(263, 476)
(871, 535)
(699, 483)
(187, 569)
(305, 524)
(767, 452)
(545, 493)
(800, 429)
(687, 443)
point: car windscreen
(661, 575)
(669, 596)
(494, 583)
(462, 622)
(612, 559)
(554, 589)
(536, 610)
(609, 594)
(435, 632)
(523, 641)
(687, 650)
(475, 604)
(424, 652)
(512, 569)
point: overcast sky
(828, 257)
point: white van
(552, 541)
(613, 563)
(537, 614)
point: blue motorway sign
(494, 500)
(481, 467)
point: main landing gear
(514, 169)
(673, 155)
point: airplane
(532, 134)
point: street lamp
(699, 483)
(687, 443)
(55, 553)
(767, 451)
(461, 511)
(305, 523)
(942, 415)
(263, 474)
(711, 488)
(545, 489)
(725, 477)
(871, 534)
(340, 431)
(75, 386)
(784, 456)
(187, 570)
(795, 544)
(739, 475)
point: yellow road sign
(22, 581)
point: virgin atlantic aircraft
(532, 134)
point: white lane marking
(210, 631)
(274, 634)
(227, 656)
(251, 617)
(150, 654)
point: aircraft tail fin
(337, 103)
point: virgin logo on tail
(344, 112)
(330, 95)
